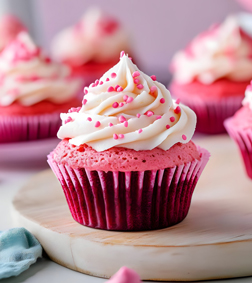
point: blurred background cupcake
(92, 45)
(33, 92)
(211, 74)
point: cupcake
(126, 160)
(211, 74)
(90, 47)
(10, 27)
(239, 127)
(33, 92)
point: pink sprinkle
(96, 82)
(73, 109)
(135, 74)
(107, 79)
(97, 124)
(154, 78)
(121, 54)
(115, 136)
(93, 85)
(153, 89)
(115, 105)
(69, 119)
(110, 89)
(113, 75)
(177, 110)
(130, 99)
(167, 126)
(162, 100)
(116, 87)
(101, 83)
(177, 101)
(136, 81)
(85, 91)
(184, 137)
(121, 136)
(121, 104)
(122, 119)
(111, 125)
(120, 89)
(126, 124)
(89, 119)
(125, 97)
(130, 58)
(84, 101)
(172, 119)
(149, 113)
(138, 115)
(158, 117)
(140, 131)
(140, 86)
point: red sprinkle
(184, 137)
(97, 124)
(101, 83)
(154, 78)
(111, 125)
(126, 124)
(138, 115)
(121, 104)
(115, 105)
(89, 119)
(177, 110)
(84, 101)
(120, 89)
(167, 126)
(110, 89)
(135, 74)
(116, 87)
(107, 79)
(162, 100)
(85, 90)
(177, 101)
(158, 117)
(113, 75)
(115, 136)
(140, 131)
(140, 86)
(153, 89)
(172, 119)
(130, 99)
(136, 81)
(149, 113)
(122, 119)
(121, 54)
(125, 97)
(121, 136)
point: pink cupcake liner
(127, 201)
(243, 139)
(24, 128)
(212, 114)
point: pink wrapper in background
(130, 201)
(25, 128)
(212, 114)
(243, 138)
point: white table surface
(14, 173)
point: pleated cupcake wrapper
(125, 201)
(243, 139)
(212, 114)
(24, 128)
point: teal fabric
(18, 250)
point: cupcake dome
(32, 90)
(128, 154)
(211, 74)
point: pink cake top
(242, 118)
(123, 159)
(224, 51)
(10, 27)
(125, 275)
(97, 37)
(27, 76)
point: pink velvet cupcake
(211, 74)
(126, 160)
(239, 127)
(33, 92)
(90, 47)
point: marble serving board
(213, 242)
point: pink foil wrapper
(212, 114)
(130, 201)
(25, 128)
(243, 139)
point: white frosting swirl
(224, 51)
(96, 37)
(27, 76)
(157, 125)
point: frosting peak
(224, 51)
(96, 37)
(28, 76)
(127, 108)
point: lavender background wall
(158, 28)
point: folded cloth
(125, 275)
(18, 250)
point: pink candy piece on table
(125, 275)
